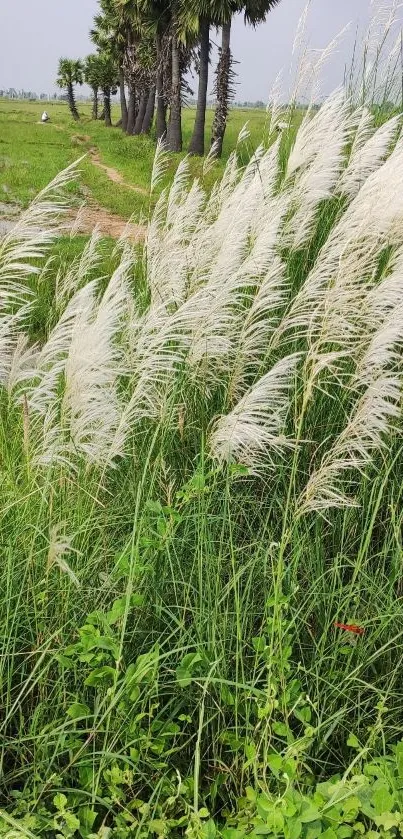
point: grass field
(201, 504)
(32, 154)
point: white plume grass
(34, 232)
(78, 271)
(253, 433)
(368, 152)
(219, 299)
(257, 326)
(94, 364)
(60, 545)
(365, 434)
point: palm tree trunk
(175, 116)
(141, 113)
(149, 114)
(72, 102)
(197, 141)
(107, 107)
(94, 103)
(101, 116)
(123, 103)
(131, 113)
(223, 90)
(161, 104)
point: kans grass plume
(221, 321)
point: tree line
(145, 48)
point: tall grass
(201, 475)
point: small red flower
(351, 627)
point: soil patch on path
(92, 215)
(8, 216)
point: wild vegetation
(200, 477)
(201, 496)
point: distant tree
(109, 80)
(70, 73)
(92, 74)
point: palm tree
(161, 98)
(108, 75)
(109, 34)
(70, 72)
(175, 118)
(255, 12)
(136, 22)
(140, 61)
(223, 86)
(158, 16)
(92, 78)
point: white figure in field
(45, 117)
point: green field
(32, 154)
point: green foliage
(93, 71)
(366, 801)
(70, 72)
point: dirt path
(92, 215)
(113, 174)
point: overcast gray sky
(35, 33)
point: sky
(35, 33)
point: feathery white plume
(385, 348)
(59, 546)
(51, 362)
(78, 271)
(244, 134)
(160, 165)
(35, 230)
(169, 246)
(364, 435)
(257, 325)
(367, 156)
(90, 403)
(253, 432)
(301, 28)
(312, 136)
(22, 362)
(274, 108)
(13, 344)
(342, 275)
